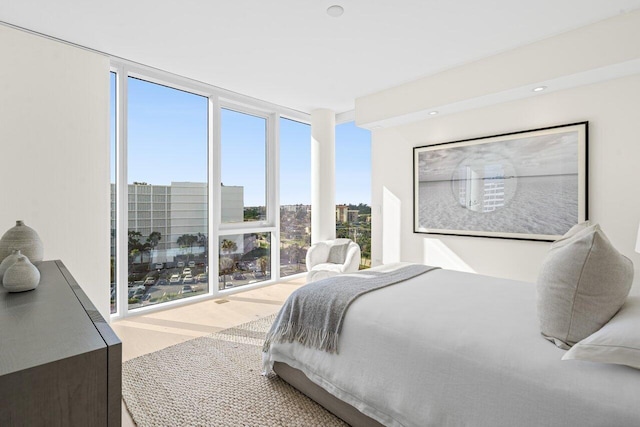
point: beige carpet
(216, 381)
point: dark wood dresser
(60, 362)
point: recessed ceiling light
(433, 113)
(335, 11)
(539, 88)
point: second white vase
(21, 276)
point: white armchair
(332, 257)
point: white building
(174, 210)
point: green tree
(252, 214)
(228, 246)
(154, 238)
(151, 243)
(301, 214)
(226, 266)
(135, 246)
(187, 241)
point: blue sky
(168, 142)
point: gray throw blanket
(313, 314)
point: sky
(353, 164)
(167, 141)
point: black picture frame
(526, 185)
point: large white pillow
(583, 282)
(616, 342)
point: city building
(342, 213)
(174, 210)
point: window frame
(217, 99)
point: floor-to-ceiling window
(353, 187)
(195, 190)
(244, 258)
(295, 196)
(112, 163)
(167, 175)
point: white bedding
(458, 349)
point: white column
(323, 175)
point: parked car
(188, 279)
(192, 263)
(238, 276)
(186, 271)
(159, 266)
(136, 292)
(180, 264)
(186, 289)
(202, 278)
(174, 279)
(149, 281)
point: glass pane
(353, 187)
(112, 142)
(167, 193)
(244, 145)
(295, 196)
(244, 259)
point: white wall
(54, 167)
(613, 111)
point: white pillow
(582, 284)
(616, 342)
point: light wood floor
(151, 332)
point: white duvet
(458, 349)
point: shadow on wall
(438, 254)
(391, 227)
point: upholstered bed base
(342, 410)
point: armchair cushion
(338, 253)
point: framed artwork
(529, 185)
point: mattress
(457, 349)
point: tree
(134, 253)
(263, 264)
(301, 214)
(135, 246)
(252, 214)
(154, 238)
(187, 241)
(202, 240)
(228, 246)
(226, 265)
(294, 255)
(134, 239)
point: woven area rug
(216, 381)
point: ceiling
(291, 52)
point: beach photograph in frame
(529, 185)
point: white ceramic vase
(24, 238)
(8, 262)
(21, 276)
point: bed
(448, 348)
